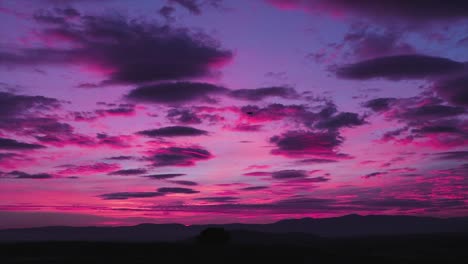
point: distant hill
(287, 231)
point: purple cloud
(174, 92)
(262, 93)
(13, 105)
(25, 175)
(218, 199)
(254, 188)
(184, 183)
(127, 172)
(454, 90)
(289, 174)
(400, 67)
(409, 11)
(173, 131)
(176, 190)
(164, 176)
(373, 174)
(129, 195)
(183, 116)
(11, 144)
(304, 143)
(126, 50)
(179, 156)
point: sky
(121, 112)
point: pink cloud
(90, 169)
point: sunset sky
(119, 112)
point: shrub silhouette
(214, 236)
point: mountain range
(284, 230)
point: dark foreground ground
(402, 249)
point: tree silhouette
(214, 236)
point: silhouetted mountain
(261, 238)
(138, 233)
(214, 236)
(356, 225)
(285, 230)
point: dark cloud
(115, 110)
(437, 129)
(129, 195)
(258, 173)
(185, 183)
(121, 141)
(452, 155)
(426, 120)
(302, 143)
(129, 172)
(173, 131)
(183, 116)
(167, 12)
(174, 92)
(344, 119)
(44, 126)
(67, 12)
(365, 43)
(400, 67)
(461, 170)
(218, 199)
(272, 112)
(50, 131)
(379, 104)
(83, 116)
(122, 157)
(395, 10)
(311, 180)
(262, 93)
(24, 175)
(197, 114)
(177, 190)
(434, 111)
(299, 114)
(61, 140)
(289, 174)
(95, 168)
(55, 17)
(179, 156)
(88, 85)
(393, 134)
(121, 110)
(13, 105)
(316, 161)
(327, 117)
(254, 188)
(373, 174)
(126, 50)
(164, 176)
(8, 156)
(247, 127)
(454, 90)
(191, 5)
(328, 110)
(11, 144)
